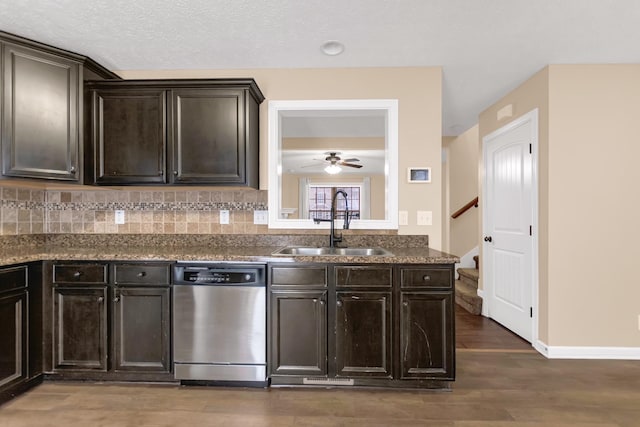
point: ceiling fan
(333, 159)
(335, 162)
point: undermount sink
(308, 251)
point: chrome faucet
(333, 237)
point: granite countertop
(401, 255)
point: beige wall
(588, 200)
(594, 201)
(419, 91)
(534, 93)
(462, 159)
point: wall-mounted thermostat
(419, 175)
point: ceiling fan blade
(349, 165)
(351, 160)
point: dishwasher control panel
(189, 274)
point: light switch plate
(425, 218)
(119, 217)
(260, 217)
(224, 216)
(403, 218)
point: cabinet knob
(160, 173)
(77, 274)
(72, 169)
(339, 303)
(116, 299)
(426, 278)
(321, 302)
(406, 304)
(175, 173)
(100, 299)
(114, 173)
(142, 274)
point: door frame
(532, 117)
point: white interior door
(509, 206)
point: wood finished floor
(481, 333)
(494, 387)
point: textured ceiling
(485, 47)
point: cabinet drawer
(80, 273)
(299, 276)
(364, 276)
(13, 278)
(425, 277)
(141, 274)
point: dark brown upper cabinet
(129, 134)
(42, 109)
(202, 132)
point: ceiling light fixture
(332, 47)
(332, 169)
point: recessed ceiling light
(332, 47)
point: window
(320, 202)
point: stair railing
(473, 203)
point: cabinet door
(141, 329)
(129, 136)
(298, 344)
(80, 328)
(363, 334)
(13, 338)
(208, 136)
(426, 336)
(40, 117)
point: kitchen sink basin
(308, 251)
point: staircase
(467, 289)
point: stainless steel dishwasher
(219, 322)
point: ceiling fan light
(332, 169)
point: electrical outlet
(119, 217)
(425, 218)
(260, 217)
(403, 218)
(224, 216)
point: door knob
(488, 239)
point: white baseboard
(605, 353)
(485, 306)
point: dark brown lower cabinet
(13, 338)
(426, 335)
(142, 329)
(111, 321)
(299, 333)
(80, 328)
(378, 325)
(363, 334)
(20, 329)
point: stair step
(467, 297)
(469, 276)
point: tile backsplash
(36, 211)
(22, 211)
